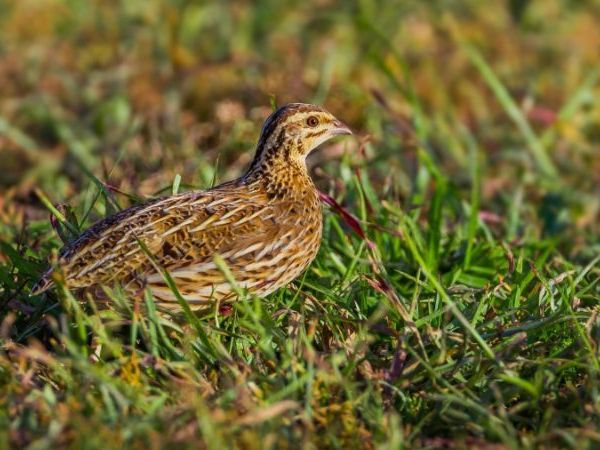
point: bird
(265, 226)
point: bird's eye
(312, 121)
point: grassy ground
(461, 311)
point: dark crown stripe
(280, 116)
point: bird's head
(294, 130)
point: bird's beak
(340, 129)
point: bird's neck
(280, 173)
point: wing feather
(178, 231)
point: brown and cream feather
(266, 225)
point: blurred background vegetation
(491, 104)
(137, 91)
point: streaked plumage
(266, 225)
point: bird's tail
(43, 284)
